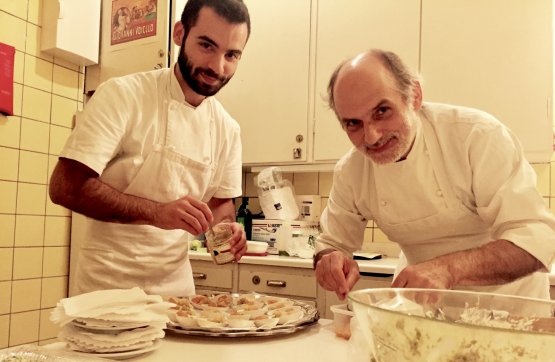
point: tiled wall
(34, 233)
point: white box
(268, 230)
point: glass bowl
(446, 325)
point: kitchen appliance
(448, 325)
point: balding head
(370, 66)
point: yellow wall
(34, 233)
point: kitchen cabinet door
(494, 55)
(344, 30)
(268, 95)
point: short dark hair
(234, 11)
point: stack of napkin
(116, 320)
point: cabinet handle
(256, 280)
(199, 276)
(276, 283)
(297, 153)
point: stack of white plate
(112, 323)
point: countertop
(316, 343)
(385, 265)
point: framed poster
(132, 20)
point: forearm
(497, 262)
(223, 210)
(102, 202)
(77, 187)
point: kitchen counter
(316, 343)
(385, 265)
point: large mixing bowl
(455, 326)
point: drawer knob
(276, 283)
(256, 280)
(201, 276)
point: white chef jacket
(465, 164)
(142, 137)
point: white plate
(114, 327)
(123, 355)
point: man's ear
(417, 96)
(178, 33)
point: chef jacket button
(439, 193)
(383, 203)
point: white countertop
(385, 265)
(316, 343)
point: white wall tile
(7, 225)
(29, 230)
(33, 167)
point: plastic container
(342, 320)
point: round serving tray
(309, 318)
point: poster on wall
(132, 20)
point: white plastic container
(342, 320)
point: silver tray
(310, 317)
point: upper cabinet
(494, 55)
(269, 94)
(344, 31)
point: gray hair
(403, 75)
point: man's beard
(190, 74)
(404, 136)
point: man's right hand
(337, 272)
(186, 213)
(78, 188)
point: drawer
(294, 282)
(210, 275)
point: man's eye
(381, 112)
(233, 56)
(351, 124)
(205, 45)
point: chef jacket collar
(176, 92)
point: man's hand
(185, 213)
(238, 241)
(337, 272)
(430, 274)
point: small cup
(218, 242)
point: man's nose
(217, 64)
(371, 134)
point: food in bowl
(447, 325)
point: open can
(218, 241)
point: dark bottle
(244, 217)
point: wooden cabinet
(285, 281)
(366, 281)
(552, 292)
(494, 55)
(269, 95)
(344, 31)
(211, 277)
